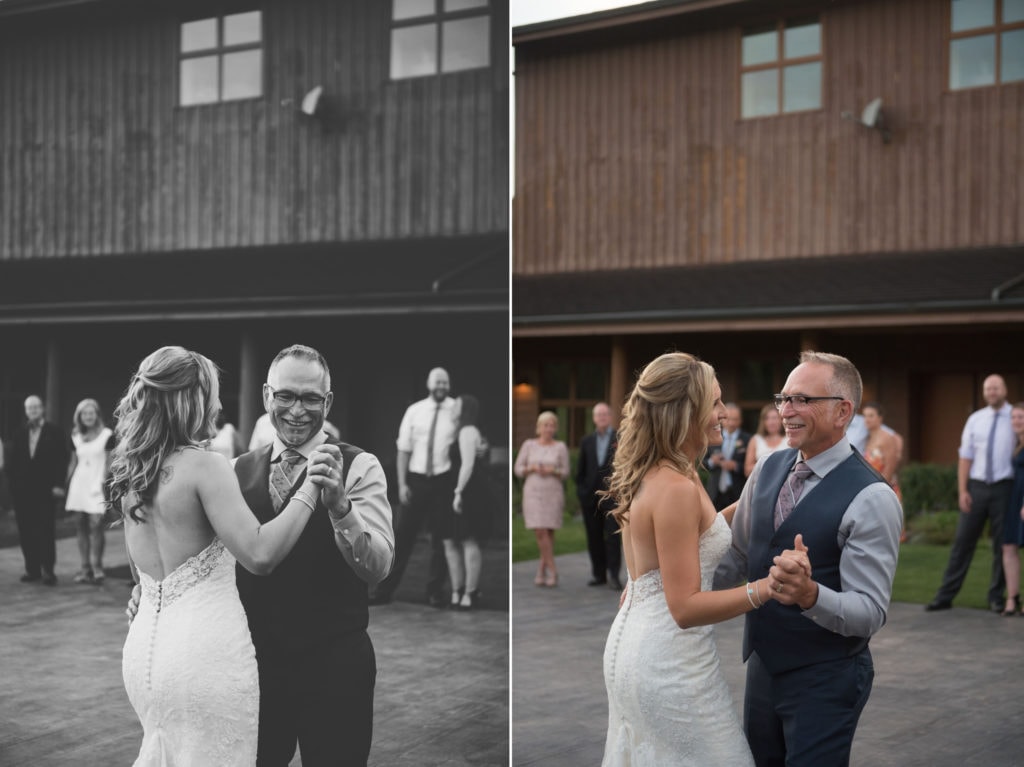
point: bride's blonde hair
(167, 406)
(662, 421)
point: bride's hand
(325, 471)
(789, 579)
(133, 603)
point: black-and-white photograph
(254, 311)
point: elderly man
(37, 465)
(308, 618)
(809, 669)
(593, 467)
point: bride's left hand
(789, 579)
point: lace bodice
(185, 576)
(190, 668)
(668, 703)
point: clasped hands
(324, 471)
(789, 579)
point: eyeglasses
(797, 400)
(285, 398)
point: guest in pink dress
(543, 465)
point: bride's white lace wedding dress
(668, 703)
(190, 668)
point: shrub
(928, 487)
(935, 527)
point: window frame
(437, 19)
(779, 64)
(220, 51)
(575, 401)
(996, 30)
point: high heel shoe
(469, 600)
(539, 580)
(551, 580)
(1015, 610)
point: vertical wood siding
(96, 158)
(634, 155)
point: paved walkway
(948, 689)
(442, 695)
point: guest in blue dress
(1013, 523)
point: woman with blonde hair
(543, 465)
(90, 460)
(189, 665)
(668, 702)
(770, 436)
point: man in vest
(308, 618)
(825, 527)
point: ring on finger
(778, 588)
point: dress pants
(431, 496)
(806, 717)
(36, 520)
(988, 502)
(322, 699)
(603, 542)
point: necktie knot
(282, 477)
(791, 491)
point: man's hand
(789, 579)
(324, 470)
(457, 503)
(133, 603)
(404, 495)
(965, 502)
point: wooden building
(744, 180)
(240, 176)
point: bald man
(984, 480)
(426, 483)
(37, 465)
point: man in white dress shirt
(985, 480)
(425, 484)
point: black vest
(312, 596)
(782, 637)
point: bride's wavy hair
(662, 421)
(167, 406)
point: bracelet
(757, 591)
(750, 597)
(303, 497)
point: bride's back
(175, 525)
(662, 489)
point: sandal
(83, 576)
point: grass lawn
(918, 573)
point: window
(780, 69)
(570, 390)
(986, 43)
(221, 59)
(439, 36)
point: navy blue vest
(312, 596)
(782, 637)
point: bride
(668, 703)
(189, 666)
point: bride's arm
(729, 511)
(676, 513)
(258, 548)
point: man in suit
(593, 467)
(308, 618)
(37, 466)
(809, 669)
(426, 483)
(725, 461)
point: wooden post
(618, 385)
(52, 394)
(249, 387)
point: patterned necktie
(990, 473)
(282, 477)
(790, 492)
(430, 442)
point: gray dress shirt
(869, 536)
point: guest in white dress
(668, 703)
(92, 442)
(189, 665)
(770, 437)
